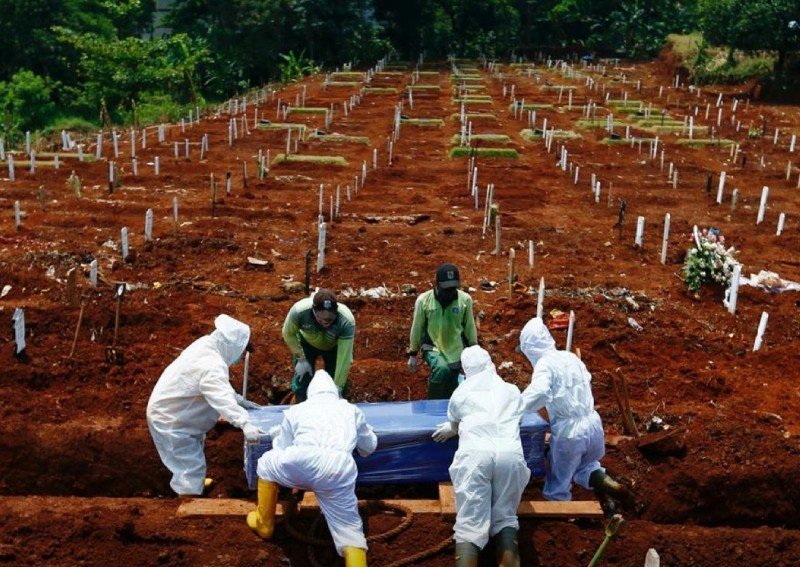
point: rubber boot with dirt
(262, 519)
(603, 484)
(355, 557)
(467, 554)
(507, 548)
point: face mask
(446, 296)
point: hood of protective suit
(322, 385)
(231, 338)
(475, 360)
(535, 340)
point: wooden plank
(221, 507)
(200, 507)
(447, 499)
(553, 509)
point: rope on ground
(407, 519)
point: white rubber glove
(253, 434)
(303, 367)
(274, 431)
(246, 404)
(412, 363)
(444, 432)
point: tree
(753, 25)
(25, 103)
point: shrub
(25, 103)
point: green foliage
(295, 66)
(25, 104)
(74, 124)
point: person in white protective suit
(562, 385)
(191, 395)
(312, 449)
(489, 472)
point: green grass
(491, 138)
(558, 87)
(704, 142)
(466, 78)
(713, 67)
(650, 122)
(344, 84)
(533, 107)
(421, 87)
(346, 76)
(599, 123)
(620, 141)
(533, 135)
(307, 110)
(474, 116)
(64, 155)
(283, 126)
(301, 158)
(621, 102)
(341, 138)
(379, 90)
(428, 74)
(625, 110)
(484, 152)
(469, 100)
(469, 88)
(674, 129)
(424, 122)
(390, 74)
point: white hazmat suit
(314, 451)
(562, 384)
(189, 397)
(489, 472)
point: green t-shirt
(301, 323)
(444, 327)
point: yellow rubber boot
(262, 519)
(355, 557)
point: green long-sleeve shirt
(301, 323)
(443, 327)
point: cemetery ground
(80, 480)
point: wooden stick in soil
(120, 292)
(511, 255)
(77, 327)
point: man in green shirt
(443, 325)
(319, 326)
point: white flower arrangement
(708, 261)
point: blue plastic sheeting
(406, 453)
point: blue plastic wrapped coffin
(406, 453)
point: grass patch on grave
(534, 106)
(468, 88)
(674, 129)
(346, 76)
(340, 139)
(307, 110)
(423, 122)
(63, 155)
(533, 135)
(303, 158)
(389, 74)
(428, 73)
(508, 153)
(423, 88)
(490, 138)
(622, 141)
(475, 116)
(301, 128)
(650, 122)
(557, 88)
(627, 110)
(466, 78)
(379, 90)
(586, 124)
(623, 103)
(344, 84)
(705, 142)
(471, 101)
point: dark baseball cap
(325, 300)
(447, 276)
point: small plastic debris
(505, 365)
(654, 423)
(6, 289)
(632, 322)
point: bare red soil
(75, 427)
